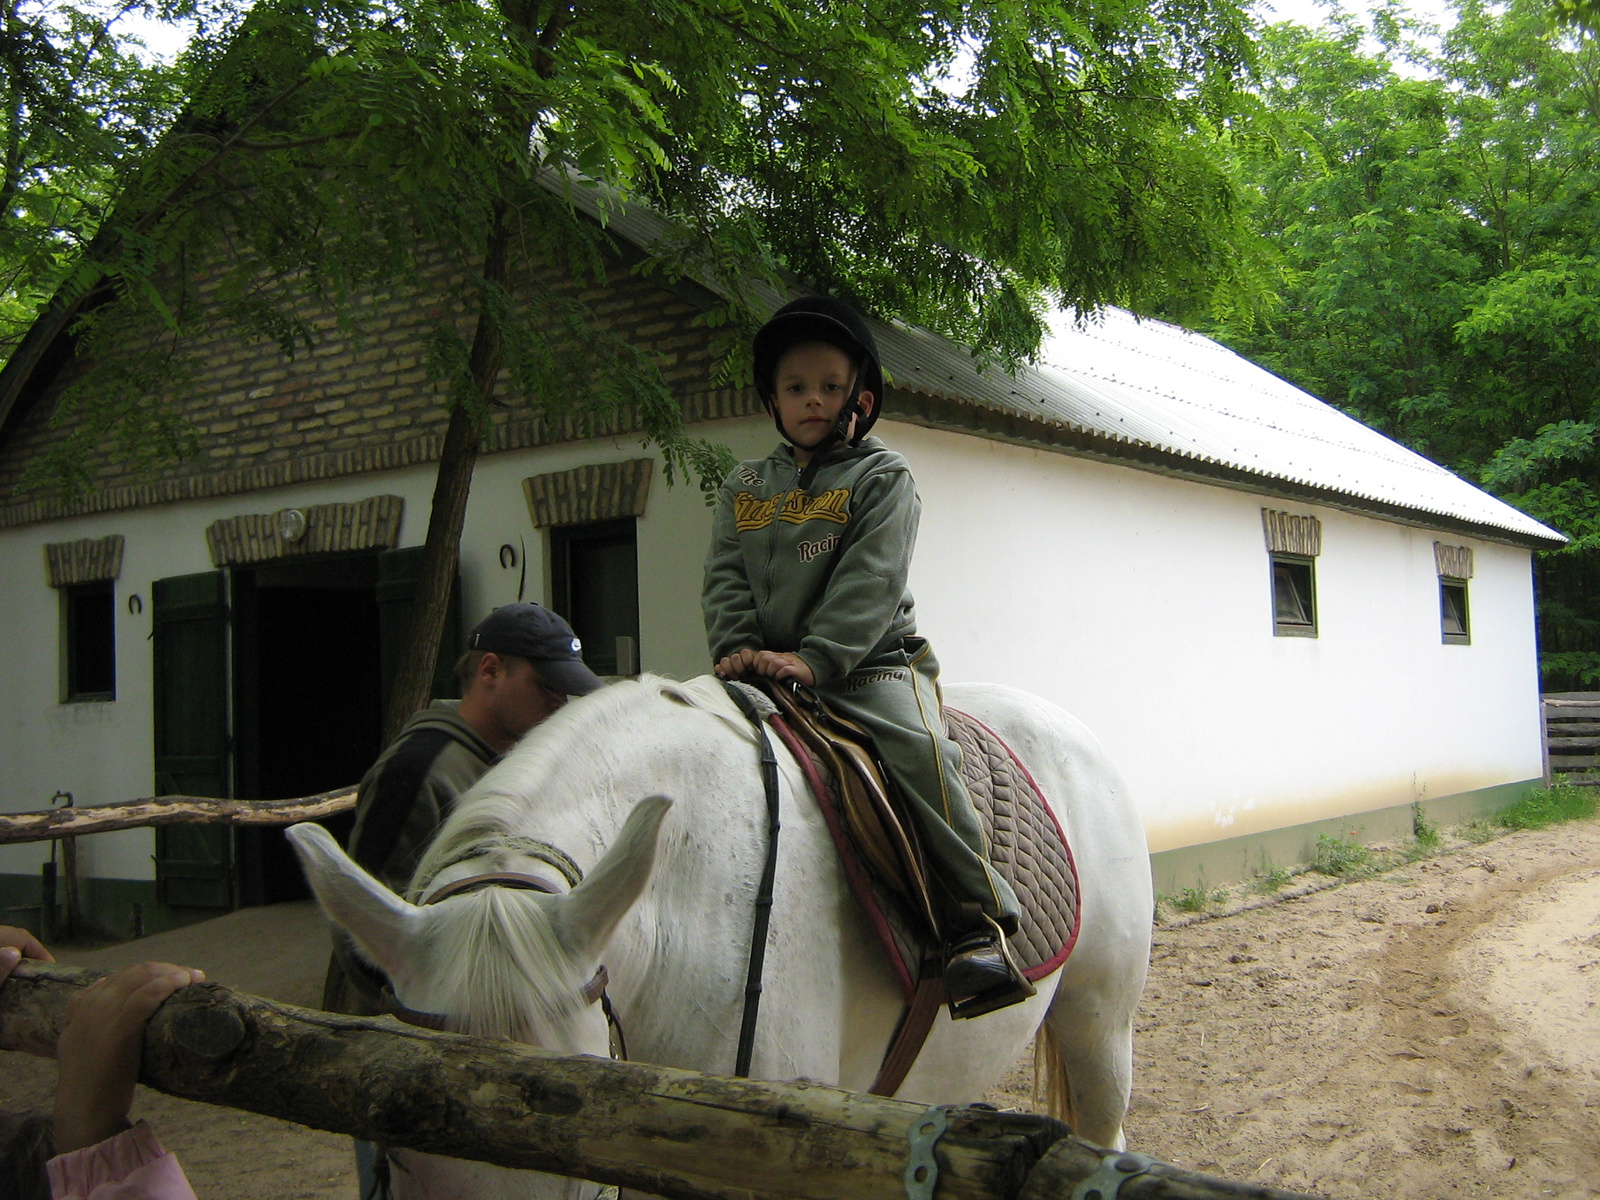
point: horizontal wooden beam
(664, 1131)
(170, 810)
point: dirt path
(1431, 1034)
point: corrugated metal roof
(1150, 384)
(1147, 384)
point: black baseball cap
(533, 632)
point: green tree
(78, 102)
(956, 166)
(1437, 245)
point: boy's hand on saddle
(100, 1046)
(737, 665)
(780, 665)
(775, 664)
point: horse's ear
(381, 923)
(588, 915)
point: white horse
(666, 904)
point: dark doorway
(308, 699)
(595, 585)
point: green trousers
(895, 698)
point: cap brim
(569, 675)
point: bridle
(594, 990)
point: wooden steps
(1572, 735)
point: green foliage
(324, 150)
(1479, 831)
(1425, 832)
(1437, 269)
(1347, 859)
(1544, 807)
(77, 104)
(1198, 899)
(1271, 879)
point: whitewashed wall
(1140, 603)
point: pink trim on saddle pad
(1034, 974)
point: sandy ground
(1433, 1032)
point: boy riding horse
(806, 580)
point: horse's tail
(1052, 1093)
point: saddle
(890, 873)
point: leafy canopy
(956, 165)
(1437, 245)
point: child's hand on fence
(16, 945)
(98, 1053)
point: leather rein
(592, 991)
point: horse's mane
(512, 975)
(593, 731)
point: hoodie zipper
(772, 541)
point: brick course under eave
(354, 404)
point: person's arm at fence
(16, 945)
(100, 1155)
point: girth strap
(912, 1033)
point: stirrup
(1014, 991)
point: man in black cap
(522, 663)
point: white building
(1278, 621)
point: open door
(397, 584)
(194, 863)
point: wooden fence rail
(171, 810)
(669, 1132)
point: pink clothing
(130, 1166)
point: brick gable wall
(358, 403)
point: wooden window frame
(1464, 638)
(1281, 628)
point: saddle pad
(1026, 844)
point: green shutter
(397, 584)
(193, 862)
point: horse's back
(1091, 801)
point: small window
(1294, 596)
(1453, 618)
(89, 641)
(594, 573)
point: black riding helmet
(834, 323)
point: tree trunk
(663, 1131)
(414, 677)
(171, 810)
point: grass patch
(1426, 837)
(1480, 831)
(1549, 806)
(1348, 860)
(1198, 899)
(1271, 879)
